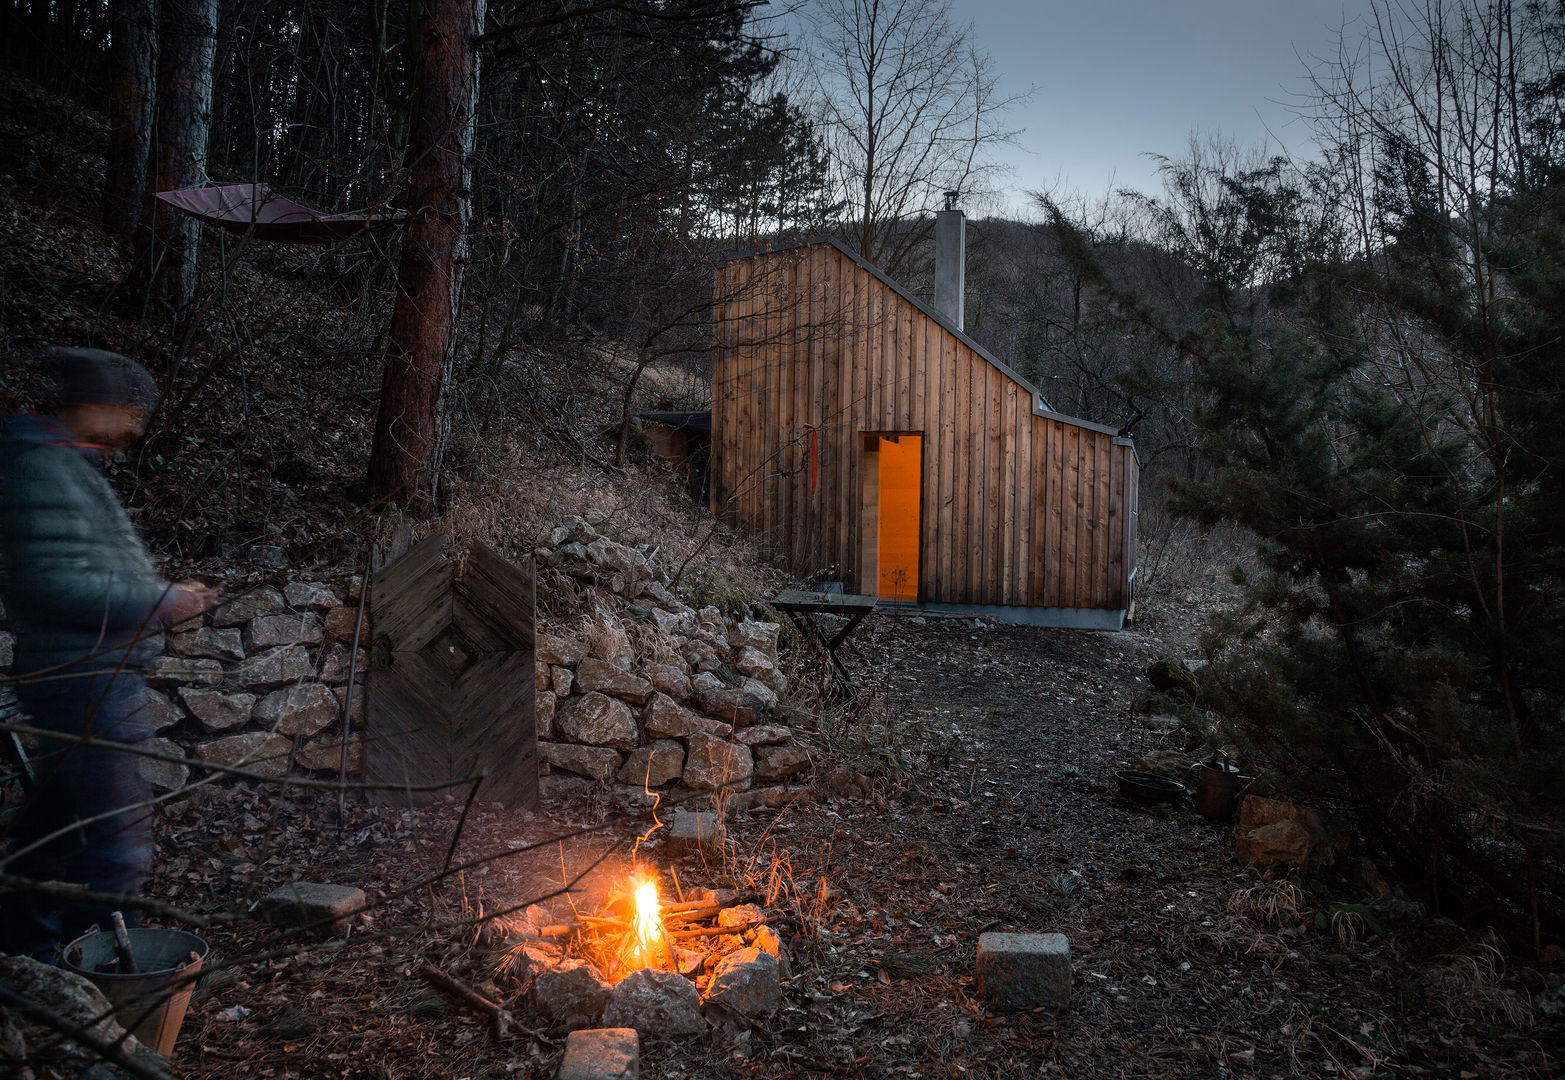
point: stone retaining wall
(643, 691)
(648, 692)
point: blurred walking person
(87, 608)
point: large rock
(161, 712)
(712, 763)
(30, 1049)
(666, 719)
(740, 705)
(254, 751)
(544, 704)
(671, 623)
(310, 596)
(168, 672)
(695, 832)
(306, 709)
(670, 680)
(320, 907)
(327, 754)
(162, 775)
(1024, 971)
(574, 530)
(659, 595)
(573, 994)
(339, 623)
(656, 1003)
(269, 631)
(208, 642)
(780, 761)
(601, 1054)
(761, 636)
(773, 798)
(1169, 763)
(598, 762)
(711, 620)
(618, 558)
(258, 602)
(561, 680)
(755, 663)
(277, 667)
(338, 661)
(216, 710)
(655, 765)
(701, 656)
(596, 676)
(764, 734)
(356, 712)
(552, 649)
(597, 720)
(1268, 832)
(746, 981)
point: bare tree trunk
(166, 254)
(410, 427)
(132, 96)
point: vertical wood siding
(1018, 508)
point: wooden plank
(744, 417)
(1011, 569)
(1116, 578)
(855, 297)
(412, 596)
(950, 561)
(924, 397)
(845, 494)
(1085, 523)
(1104, 540)
(972, 476)
(901, 367)
(1075, 512)
(819, 507)
(722, 317)
(994, 478)
(961, 462)
(499, 593)
(1070, 512)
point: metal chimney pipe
(950, 260)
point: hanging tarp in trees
(256, 211)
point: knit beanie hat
(98, 377)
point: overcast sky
(1117, 79)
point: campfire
(637, 929)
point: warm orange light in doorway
(896, 557)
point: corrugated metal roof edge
(1040, 405)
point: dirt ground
(985, 804)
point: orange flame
(649, 919)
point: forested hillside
(1342, 370)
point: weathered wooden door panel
(452, 686)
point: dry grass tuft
(1471, 984)
(1274, 903)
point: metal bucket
(150, 1004)
(1217, 787)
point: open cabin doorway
(892, 470)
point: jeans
(94, 796)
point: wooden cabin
(866, 440)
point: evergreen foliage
(1385, 420)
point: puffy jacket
(79, 585)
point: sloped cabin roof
(1040, 404)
